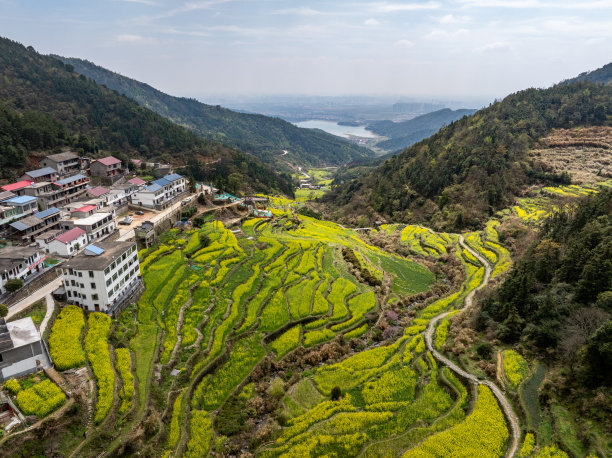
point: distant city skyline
(461, 49)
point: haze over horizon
(464, 49)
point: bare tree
(580, 325)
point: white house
(69, 243)
(96, 225)
(19, 262)
(160, 191)
(22, 351)
(102, 276)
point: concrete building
(146, 233)
(69, 243)
(160, 192)
(108, 168)
(39, 175)
(57, 193)
(25, 205)
(22, 351)
(65, 164)
(19, 262)
(98, 191)
(97, 225)
(18, 187)
(102, 276)
(27, 229)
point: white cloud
(452, 19)
(395, 7)
(441, 34)
(403, 43)
(143, 2)
(131, 38)
(498, 46)
(302, 11)
(570, 5)
(371, 21)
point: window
(124, 256)
(69, 294)
(115, 276)
(80, 274)
(73, 282)
(94, 297)
(93, 285)
(107, 270)
(82, 286)
(108, 282)
(91, 275)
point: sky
(457, 49)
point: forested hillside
(601, 75)
(264, 136)
(476, 165)
(406, 133)
(45, 106)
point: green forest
(45, 106)
(475, 166)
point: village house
(68, 243)
(40, 175)
(108, 168)
(27, 229)
(22, 350)
(160, 192)
(96, 225)
(65, 164)
(102, 276)
(20, 263)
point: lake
(335, 129)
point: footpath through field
(505, 404)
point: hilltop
(264, 136)
(45, 106)
(476, 165)
(602, 75)
(406, 133)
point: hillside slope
(44, 105)
(265, 136)
(475, 165)
(406, 133)
(602, 75)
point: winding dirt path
(515, 430)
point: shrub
(12, 385)
(40, 399)
(277, 388)
(3, 310)
(336, 392)
(484, 350)
(13, 285)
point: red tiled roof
(97, 191)
(85, 208)
(110, 160)
(136, 181)
(70, 235)
(18, 185)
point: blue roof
(20, 200)
(48, 212)
(19, 226)
(76, 177)
(94, 249)
(40, 172)
(153, 187)
(172, 177)
(161, 182)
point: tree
(13, 285)
(3, 310)
(599, 355)
(192, 184)
(201, 199)
(204, 240)
(234, 181)
(336, 392)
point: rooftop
(136, 181)
(41, 172)
(68, 180)
(97, 191)
(10, 256)
(153, 187)
(111, 251)
(172, 177)
(70, 235)
(20, 200)
(109, 160)
(85, 208)
(5, 195)
(23, 332)
(91, 219)
(48, 212)
(17, 185)
(26, 223)
(61, 157)
(161, 181)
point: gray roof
(161, 182)
(4, 195)
(61, 157)
(153, 187)
(9, 256)
(40, 172)
(76, 177)
(23, 332)
(112, 250)
(26, 223)
(172, 177)
(48, 212)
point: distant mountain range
(406, 133)
(45, 105)
(264, 136)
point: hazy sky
(460, 48)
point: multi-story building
(68, 243)
(52, 194)
(98, 191)
(22, 350)
(65, 164)
(97, 225)
(18, 187)
(108, 168)
(22, 205)
(20, 263)
(102, 276)
(27, 229)
(40, 175)
(160, 192)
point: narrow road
(35, 296)
(515, 431)
(49, 314)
